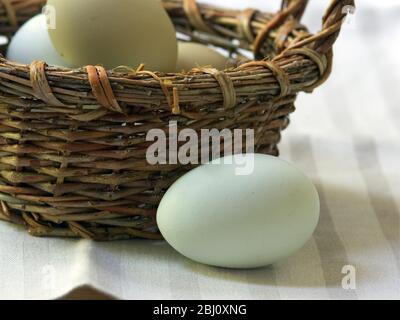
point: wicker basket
(72, 142)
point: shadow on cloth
(331, 254)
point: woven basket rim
(313, 52)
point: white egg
(32, 42)
(192, 55)
(240, 215)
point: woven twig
(73, 142)
(13, 13)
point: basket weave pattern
(73, 142)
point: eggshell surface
(114, 33)
(32, 42)
(218, 216)
(192, 55)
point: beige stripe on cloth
(331, 249)
(380, 194)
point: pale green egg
(32, 42)
(247, 214)
(192, 55)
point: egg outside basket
(73, 142)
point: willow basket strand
(73, 142)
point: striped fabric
(345, 136)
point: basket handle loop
(289, 8)
(324, 40)
(297, 10)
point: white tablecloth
(345, 136)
